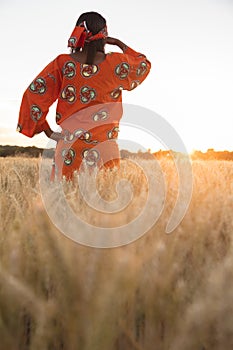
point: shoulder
(62, 58)
(116, 57)
(60, 62)
(114, 54)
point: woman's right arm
(116, 42)
(37, 99)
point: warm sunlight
(116, 227)
(190, 82)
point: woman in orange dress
(87, 84)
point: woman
(87, 84)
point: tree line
(35, 152)
(20, 151)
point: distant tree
(30, 151)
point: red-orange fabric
(80, 35)
(77, 38)
(96, 37)
(89, 106)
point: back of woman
(87, 84)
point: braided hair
(95, 22)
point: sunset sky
(189, 42)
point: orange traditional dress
(88, 109)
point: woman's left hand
(56, 136)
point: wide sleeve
(37, 99)
(133, 69)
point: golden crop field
(160, 292)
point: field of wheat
(160, 292)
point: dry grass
(162, 292)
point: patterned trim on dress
(142, 68)
(101, 115)
(69, 94)
(113, 133)
(90, 157)
(68, 156)
(88, 70)
(87, 94)
(38, 86)
(122, 70)
(35, 113)
(116, 92)
(134, 84)
(69, 70)
(79, 134)
(52, 77)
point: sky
(189, 43)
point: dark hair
(95, 22)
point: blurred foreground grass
(162, 292)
